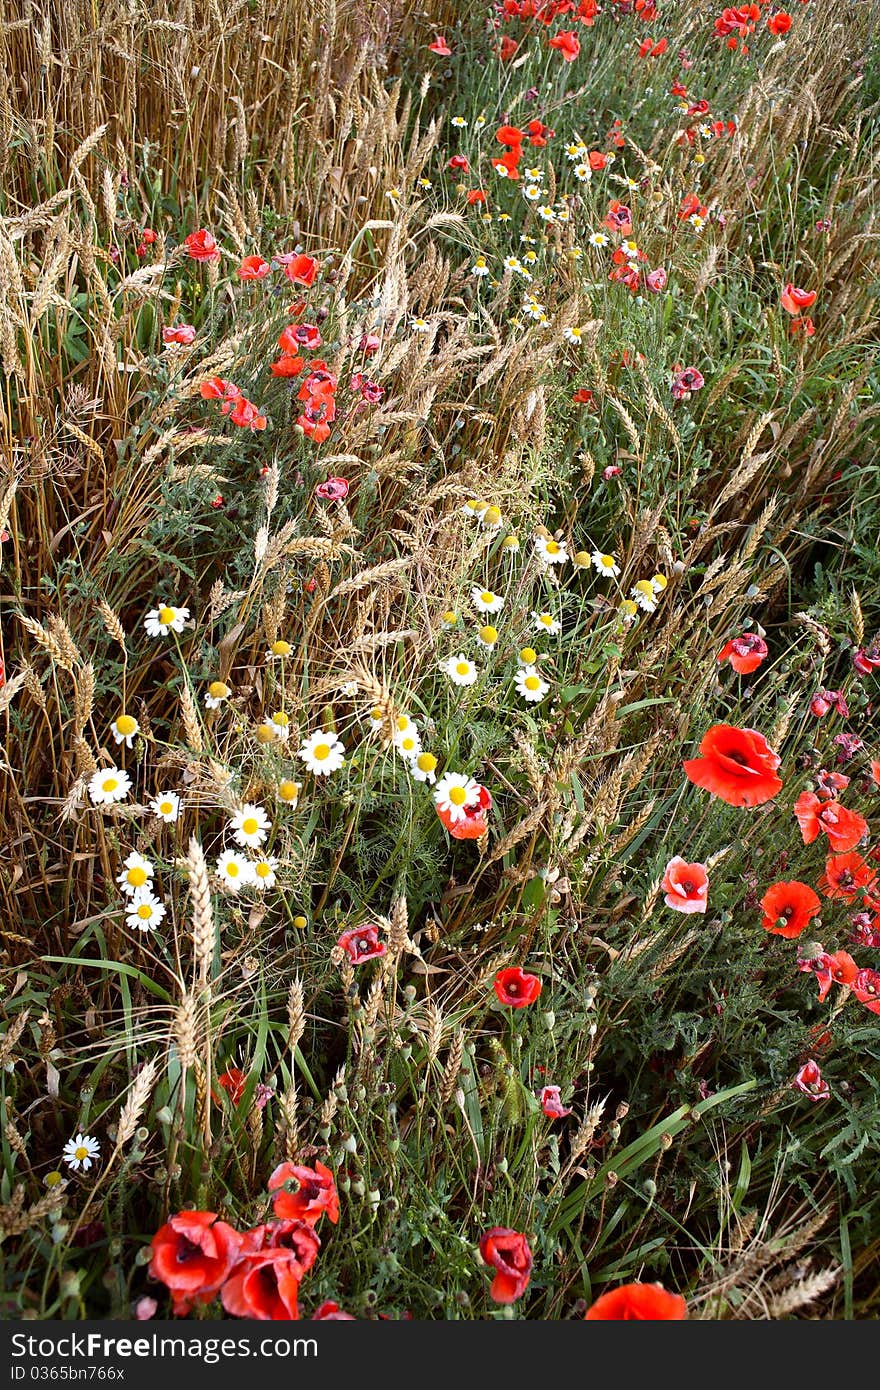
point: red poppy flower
(253, 268)
(638, 1303)
(440, 46)
(836, 969)
(331, 1312)
(509, 162)
(515, 988)
(233, 1081)
(686, 886)
(297, 336)
(539, 133)
(246, 415)
(845, 874)
(789, 908)
(265, 1285)
(597, 161)
(867, 659)
(314, 1195)
(809, 1080)
(471, 822)
(779, 24)
(183, 333)
(737, 765)
(476, 195)
(866, 988)
(828, 784)
(202, 246)
(193, 1253)
(507, 1252)
(793, 300)
(287, 366)
(618, 218)
(362, 943)
(583, 396)
(551, 1103)
(804, 326)
(333, 490)
(686, 382)
(217, 388)
(567, 43)
(826, 700)
(509, 135)
(300, 269)
(458, 161)
(507, 48)
(745, 653)
(844, 828)
(656, 280)
(588, 10)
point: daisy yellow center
(628, 606)
(137, 877)
(493, 516)
(80, 1152)
(532, 683)
(166, 807)
(487, 596)
(281, 648)
(462, 668)
(250, 825)
(474, 504)
(376, 714)
(402, 722)
(546, 619)
(300, 922)
(126, 725)
(321, 751)
(489, 634)
(449, 616)
(426, 762)
(582, 558)
(145, 912)
(659, 581)
(232, 869)
(457, 795)
(288, 791)
(510, 542)
(263, 870)
(552, 548)
(607, 560)
(265, 733)
(166, 616)
(281, 718)
(408, 744)
(644, 587)
(218, 690)
(528, 655)
(52, 1179)
(110, 784)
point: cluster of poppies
(739, 767)
(257, 1273)
(737, 22)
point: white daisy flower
(458, 122)
(550, 551)
(630, 249)
(631, 184)
(288, 793)
(164, 619)
(546, 213)
(644, 595)
(423, 768)
(279, 723)
(487, 636)
(125, 728)
(166, 806)
(263, 872)
(573, 336)
(459, 670)
(530, 685)
(233, 870)
(530, 257)
(278, 650)
(404, 725)
(532, 191)
(485, 601)
(697, 222)
(527, 656)
(512, 263)
(217, 692)
(108, 785)
(491, 518)
(545, 622)
(350, 689)
(137, 872)
(659, 583)
(534, 310)
(605, 564)
(80, 1151)
(583, 173)
(563, 212)
(575, 150)
(598, 239)
(474, 508)
(480, 267)
(250, 826)
(419, 325)
(322, 753)
(408, 744)
(144, 911)
(454, 792)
